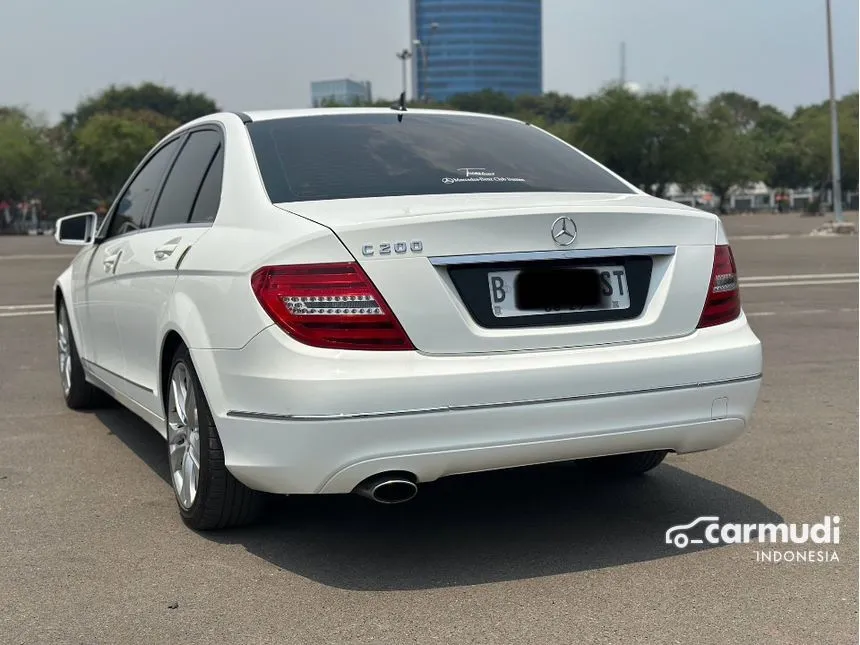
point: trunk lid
(434, 259)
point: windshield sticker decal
(477, 174)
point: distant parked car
(363, 300)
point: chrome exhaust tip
(388, 488)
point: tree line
(652, 138)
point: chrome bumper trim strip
(242, 414)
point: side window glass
(134, 203)
(184, 179)
(209, 197)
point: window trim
(218, 151)
(203, 127)
(181, 137)
(102, 236)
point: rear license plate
(529, 292)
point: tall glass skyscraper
(471, 45)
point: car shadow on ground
(472, 529)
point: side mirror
(76, 230)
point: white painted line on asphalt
(38, 256)
(800, 312)
(782, 236)
(15, 307)
(801, 276)
(16, 314)
(798, 283)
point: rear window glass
(342, 156)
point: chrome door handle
(166, 250)
(110, 262)
(163, 252)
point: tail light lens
(328, 305)
(723, 303)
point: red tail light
(328, 305)
(723, 303)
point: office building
(470, 45)
(343, 91)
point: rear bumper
(334, 456)
(294, 419)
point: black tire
(221, 500)
(80, 394)
(631, 464)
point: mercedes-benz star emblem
(563, 231)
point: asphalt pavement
(93, 550)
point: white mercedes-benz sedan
(363, 300)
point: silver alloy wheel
(183, 436)
(64, 350)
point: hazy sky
(264, 53)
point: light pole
(404, 56)
(835, 169)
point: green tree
(10, 111)
(730, 154)
(109, 146)
(27, 160)
(812, 133)
(651, 139)
(551, 108)
(673, 145)
(745, 112)
(146, 97)
(484, 102)
(613, 128)
(783, 163)
(849, 140)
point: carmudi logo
(707, 529)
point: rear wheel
(634, 463)
(209, 497)
(78, 393)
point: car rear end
(502, 301)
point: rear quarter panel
(213, 305)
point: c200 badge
(387, 248)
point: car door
(99, 293)
(147, 269)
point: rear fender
(213, 304)
(722, 238)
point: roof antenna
(400, 106)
